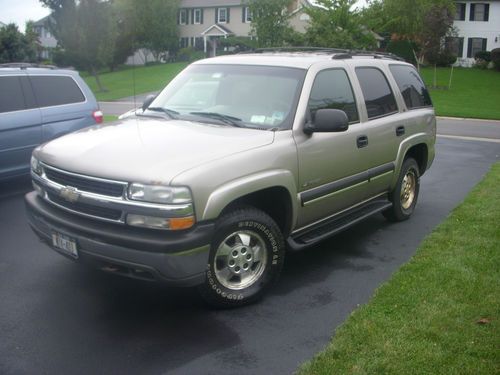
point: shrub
(483, 55)
(189, 54)
(446, 58)
(495, 58)
(404, 49)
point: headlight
(36, 166)
(159, 194)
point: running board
(321, 231)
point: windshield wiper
(170, 112)
(231, 120)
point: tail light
(98, 117)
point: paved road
(59, 318)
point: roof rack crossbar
(375, 55)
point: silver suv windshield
(263, 97)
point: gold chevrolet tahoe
(239, 160)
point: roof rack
(23, 65)
(376, 55)
(337, 53)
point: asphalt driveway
(59, 318)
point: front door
(332, 166)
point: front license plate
(64, 243)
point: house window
(479, 12)
(197, 16)
(476, 45)
(455, 46)
(460, 12)
(222, 15)
(247, 15)
(183, 17)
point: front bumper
(175, 258)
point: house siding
(488, 31)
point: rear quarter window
(413, 89)
(56, 90)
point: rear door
(63, 105)
(20, 125)
(384, 122)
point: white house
(478, 26)
(47, 40)
(203, 22)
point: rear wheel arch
(420, 153)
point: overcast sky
(20, 11)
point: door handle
(400, 130)
(362, 141)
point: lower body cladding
(178, 259)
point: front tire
(246, 258)
(405, 194)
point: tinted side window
(11, 94)
(379, 98)
(56, 90)
(332, 89)
(411, 86)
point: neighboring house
(478, 27)
(203, 22)
(47, 40)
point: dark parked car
(37, 105)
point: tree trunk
(94, 73)
(435, 76)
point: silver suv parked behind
(238, 160)
(37, 105)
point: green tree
(152, 24)
(335, 23)
(86, 31)
(16, 46)
(270, 22)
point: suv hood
(147, 150)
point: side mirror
(149, 99)
(328, 121)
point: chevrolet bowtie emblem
(70, 194)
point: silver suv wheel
(240, 260)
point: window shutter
(192, 16)
(485, 44)
(469, 47)
(472, 11)
(243, 15)
(462, 12)
(178, 17)
(201, 17)
(460, 47)
(227, 14)
(216, 15)
(486, 12)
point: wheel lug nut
(235, 253)
(237, 269)
(244, 250)
(231, 263)
(249, 256)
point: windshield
(240, 95)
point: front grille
(102, 212)
(112, 189)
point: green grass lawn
(474, 93)
(440, 313)
(109, 118)
(120, 84)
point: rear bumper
(174, 258)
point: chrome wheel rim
(408, 189)
(240, 260)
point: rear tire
(405, 194)
(246, 258)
